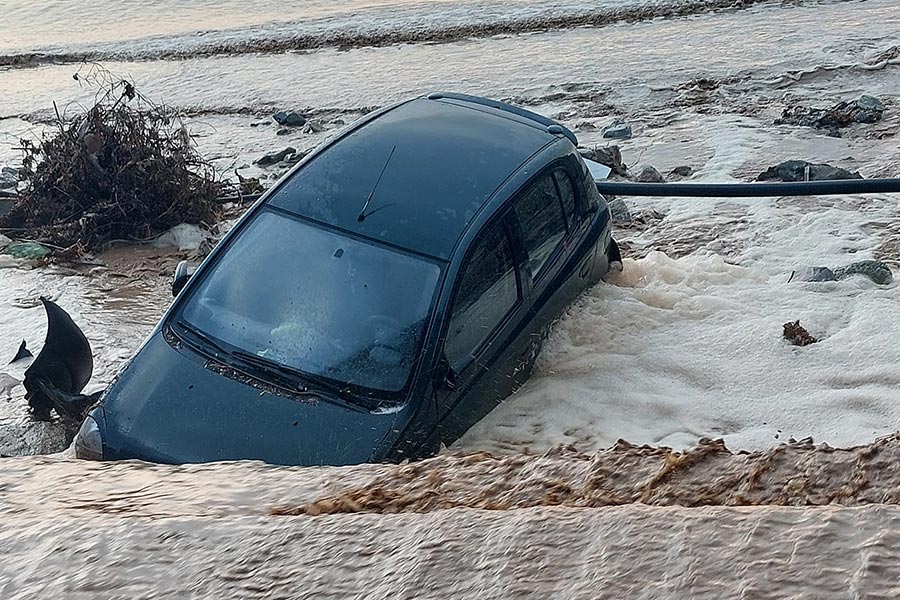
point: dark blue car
(381, 299)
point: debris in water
(64, 364)
(617, 131)
(801, 170)
(797, 335)
(23, 352)
(124, 169)
(30, 250)
(865, 109)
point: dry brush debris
(124, 169)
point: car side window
(486, 292)
(543, 224)
(566, 192)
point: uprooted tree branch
(124, 169)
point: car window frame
(549, 264)
(576, 220)
(503, 218)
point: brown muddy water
(541, 499)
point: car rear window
(318, 302)
(542, 221)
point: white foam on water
(673, 350)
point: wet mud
(794, 474)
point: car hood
(168, 406)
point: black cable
(751, 190)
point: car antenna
(362, 214)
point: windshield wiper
(202, 337)
(275, 368)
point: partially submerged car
(383, 297)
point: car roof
(436, 161)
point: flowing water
(685, 344)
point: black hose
(751, 190)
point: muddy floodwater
(602, 477)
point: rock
(282, 131)
(650, 175)
(4, 241)
(274, 157)
(585, 126)
(610, 156)
(312, 127)
(617, 131)
(869, 103)
(289, 119)
(865, 109)
(875, 270)
(294, 157)
(619, 211)
(682, 171)
(797, 335)
(816, 274)
(797, 170)
(30, 250)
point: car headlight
(88, 441)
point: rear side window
(543, 224)
(486, 292)
(566, 192)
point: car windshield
(317, 302)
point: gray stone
(289, 119)
(866, 102)
(617, 131)
(796, 170)
(875, 270)
(619, 211)
(274, 157)
(813, 274)
(312, 127)
(650, 175)
(682, 171)
(282, 131)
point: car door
(549, 231)
(483, 330)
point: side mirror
(183, 273)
